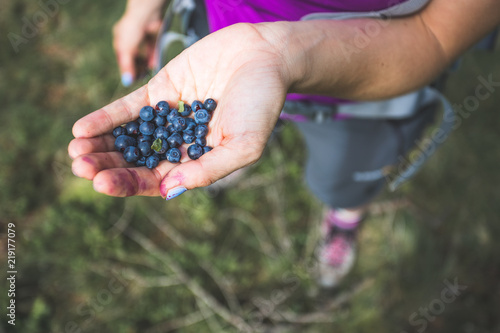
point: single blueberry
(147, 113)
(152, 161)
(131, 154)
(119, 131)
(209, 105)
(173, 114)
(196, 105)
(163, 148)
(142, 138)
(188, 136)
(187, 111)
(175, 140)
(163, 108)
(190, 124)
(200, 131)
(179, 124)
(132, 128)
(173, 155)
(201, 141)
(147, 128)
(124, 141)
(161, 133)
(206, 149)
(202, 116)
(195, 151)
(159, 121)
(141, 161)
(145, 148)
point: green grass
(246, 252)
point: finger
(126, 64)
(210, 167)
(125, 182)
(112, 115)
(103, 143)
(87, 166)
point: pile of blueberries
(159, 132)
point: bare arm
(372, 59)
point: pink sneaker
(337, 253)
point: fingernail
(127, 79)
(175, 192)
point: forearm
(372, 59)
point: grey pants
(347, 157)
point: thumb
(212, 166)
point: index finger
(112, 115)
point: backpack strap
(439, 136)
(401, 9)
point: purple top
(222, 13)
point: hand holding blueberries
(246, 80)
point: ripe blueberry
(196, 105)
(195, 151)
(124, 141)
(174, 140)
(145, 148)
(163, 147)
(152, 161)
(173, 155)
(209, 105)
(200, 131)
(202, 116)
(179, 124)
(147, 128)
(159, 121)
(119, 131)
(206, 149)
(132, 128)
(161, 133)
(147, 113)
(163, 108)
(131, 154)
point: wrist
(292, 62)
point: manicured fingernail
(175, 192)
(127, 79)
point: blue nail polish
(175, 192)
(127, 79)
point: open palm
(235, 66)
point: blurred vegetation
(213, 262)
